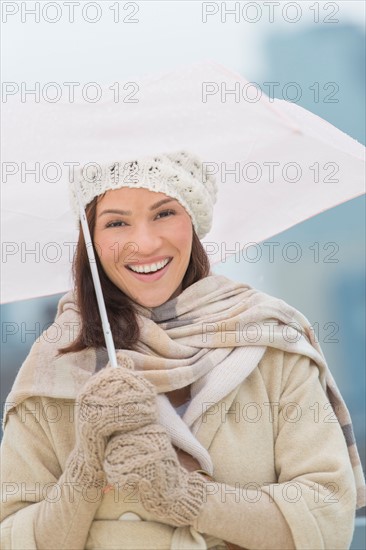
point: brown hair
(120, 308)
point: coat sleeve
(40, 509)
(314, 501)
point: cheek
(106, 248)
(182, 236)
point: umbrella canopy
(276, 164)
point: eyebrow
(128, 212)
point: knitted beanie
(179, 175)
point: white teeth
(148, 268)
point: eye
(166, 213)
(115, 224)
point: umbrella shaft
(97, 286)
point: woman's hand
(146, 457)
(114, 400)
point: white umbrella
(276, 164)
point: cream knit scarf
(211, 336)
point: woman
(221, 427)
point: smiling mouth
(149, 269)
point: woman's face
(134, 230)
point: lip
(145, 277)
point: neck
(180, 396)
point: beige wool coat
(278, 452)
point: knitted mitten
(146, 457)
(113, 400)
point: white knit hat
(179, 175)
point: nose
(145, 240)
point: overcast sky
(166, 35)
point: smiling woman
(209, 414)
(144, 249)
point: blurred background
(319, 46)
